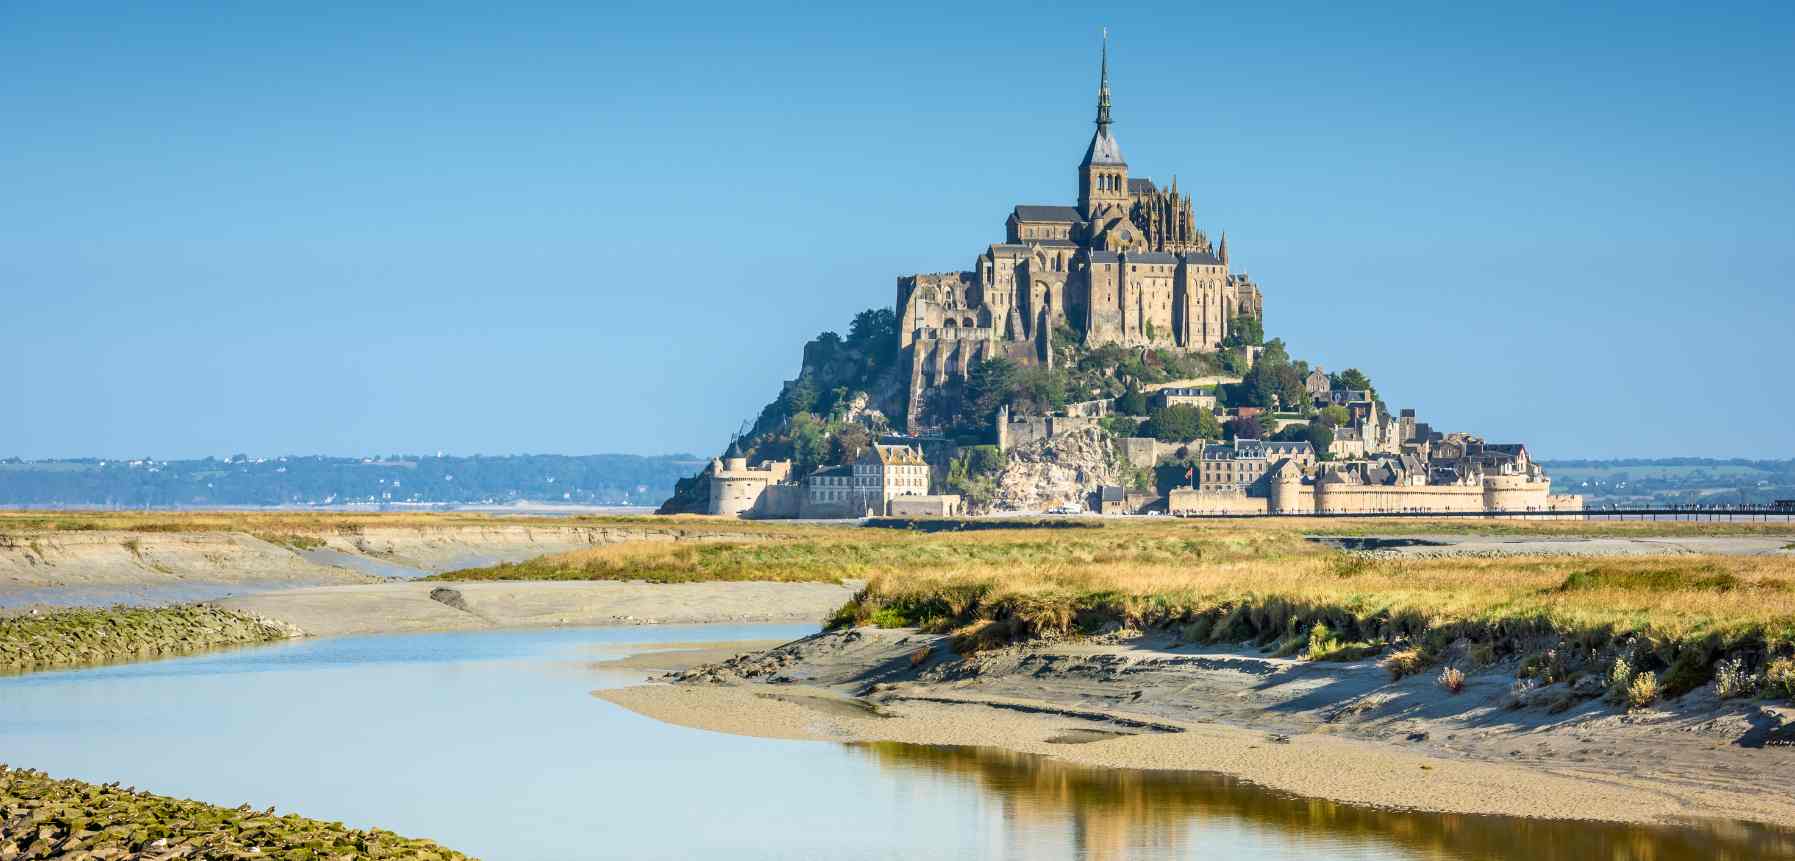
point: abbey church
(1126, 266)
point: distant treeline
(1767, 465)
(599, 479)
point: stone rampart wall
(1353, 498)
(1184, 501)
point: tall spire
(1103, 87)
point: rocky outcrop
(39, 640)
(47, 818)
(449, 598)
(1066, 469)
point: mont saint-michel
(1105, 356)
(1068, 547)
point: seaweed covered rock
(90, 636)
(41, 817)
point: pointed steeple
(1103, 148)
(1222, 253)
(1103, 87)
(1103, 174)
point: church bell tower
(1103, 175)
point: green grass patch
(1653, 580)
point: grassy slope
(84, 636)
(45, 818)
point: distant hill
(598, 479)
(1674, 480)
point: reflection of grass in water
(1116, 810)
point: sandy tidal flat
(1339, 731)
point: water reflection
(1118, 814)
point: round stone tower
(1287, 491)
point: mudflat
(401, 607)
(1339, 730)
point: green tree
(847, 442)
(1351, 378)
(1121, 425)
(1132, 402)
(1245, 331)
(1314, 433)
(873, 334)
(800, 396)
(809, 442)
(1037, 390)
(1180, 423)
(1334, 416)
(1274, 384)
(988, 386)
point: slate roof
(1152, 257)
(1052, 243)
(1141, 186)
(1047, 213)
(1202, 258)
(898, 455)
(1104, 257)
(1103, 149)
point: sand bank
(400, 607)
(1342, 731)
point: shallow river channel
(491, 743)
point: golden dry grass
(835, 554)
(1679, 595)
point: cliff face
(1067, 469)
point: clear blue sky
(603, 227)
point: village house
(1242, 464)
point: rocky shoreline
(40, 640)
(42, 817)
